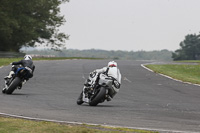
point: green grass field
(186, 73)
(17, 125)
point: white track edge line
(168, 76)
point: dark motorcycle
(99, 88)
(21, 75)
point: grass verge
(186, 73)
(16, 125)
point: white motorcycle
(98, 88)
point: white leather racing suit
(112, 72)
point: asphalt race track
(145, 99)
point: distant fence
(10, 54)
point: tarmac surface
(145, 100)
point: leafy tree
(190, 48)
(30, 22)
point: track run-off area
(146, 100)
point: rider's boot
(4, 90)
(20, 86)
(9, 75)
(108, 98)
(24, 82)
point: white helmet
(112, 64)
(27, 57)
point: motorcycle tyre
(99, 97)
(4, 91)
(79, 100)
(13, 85)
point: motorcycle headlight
(92, 74)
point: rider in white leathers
(112, 71)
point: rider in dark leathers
(27, 63)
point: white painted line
(146, 67)
(167, 76)
(83, 76)
(127, 79)
(79, 123)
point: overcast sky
(130, 25)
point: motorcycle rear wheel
(98, 98)
(13, 85)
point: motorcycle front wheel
(98, 98)
(13, 85)
(79, 100)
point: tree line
(163, 55)
(30, 23)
